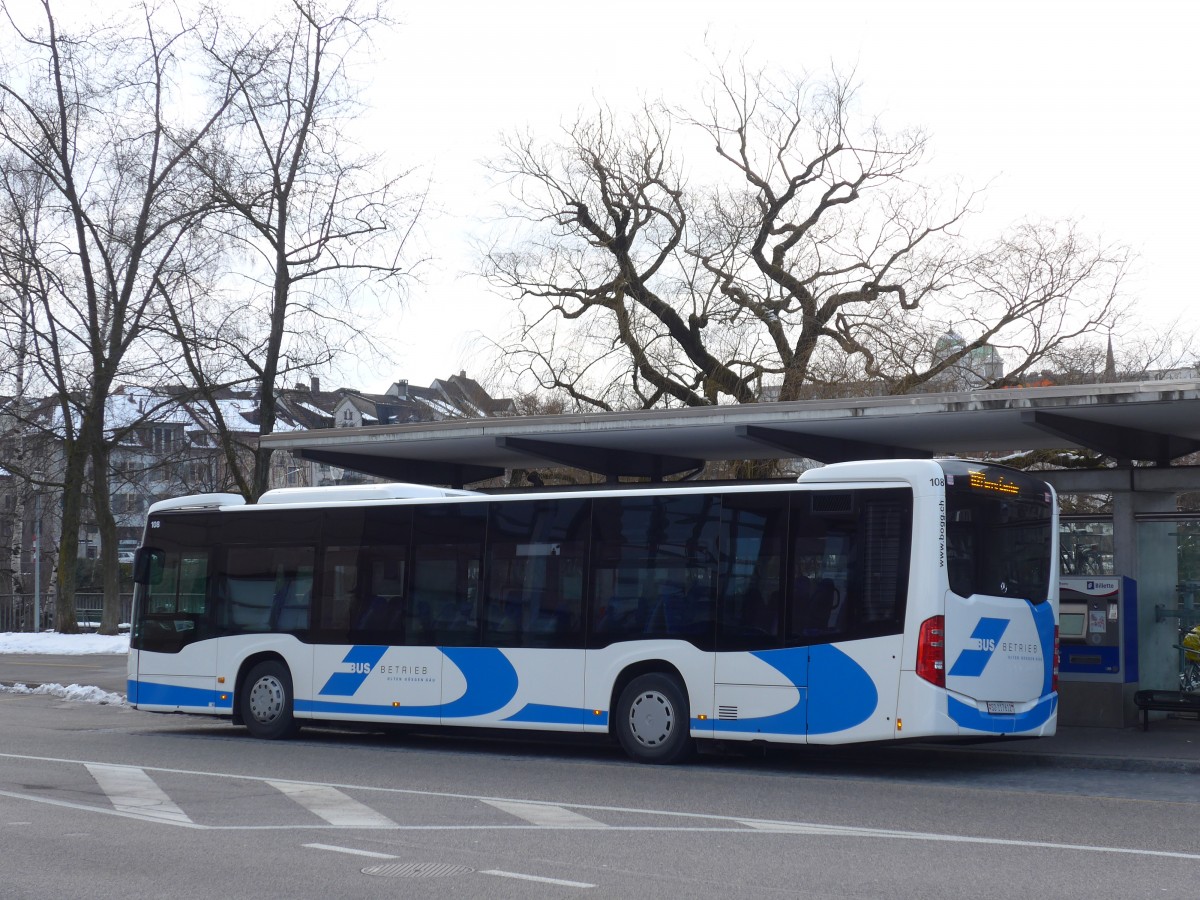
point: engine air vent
(832, 502)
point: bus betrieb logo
(362, 660)
(972, 661)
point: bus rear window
(998, 545)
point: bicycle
(1189, 677)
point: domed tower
(976, 368)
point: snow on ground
(48, 642)
(77, 692)
(63, 644)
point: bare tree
(99, 114)
(607, 217)
(810, 258)
(22, 194)
(319, 224)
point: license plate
(1000, 708)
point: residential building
(164, 443)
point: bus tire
(653, 722)
(265, 701)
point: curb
(1065, 760)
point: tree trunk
(16, 548)
(68, 545)
(109, 566)
(266, 395)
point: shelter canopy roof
(1148, 421)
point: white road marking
(104, 811)
(562, 882)
(352, 851)
(715, 823)
(545, 815)
(131, 790)
(824, 830)
(332, 805)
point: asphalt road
(103, 801)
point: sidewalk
(1171, 745)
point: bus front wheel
(265, 701)
(653, 722)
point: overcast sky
(1084, 110)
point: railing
(17, 612)
(1187, 615)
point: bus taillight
(931, 651)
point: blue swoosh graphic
(792, 663)
(551, 715)
(491, 681)
(491, 685)
(1043, 620)
(845, 695)
(971, 717)
(151, 694)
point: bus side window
(849, 559)
(267, 588)
(813, 595)
(373, 597)
(447, 557)
(824, 605)
(293, 603)
(339, 585)
(536, 556)
(655, 564)
(824, 565)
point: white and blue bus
(867, 601)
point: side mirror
(148, 565)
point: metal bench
(1165, 701)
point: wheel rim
(266, 699)
(651, 718)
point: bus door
(176, 663)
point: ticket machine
(1098, 650)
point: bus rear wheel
(653, 722)
(265, 701)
